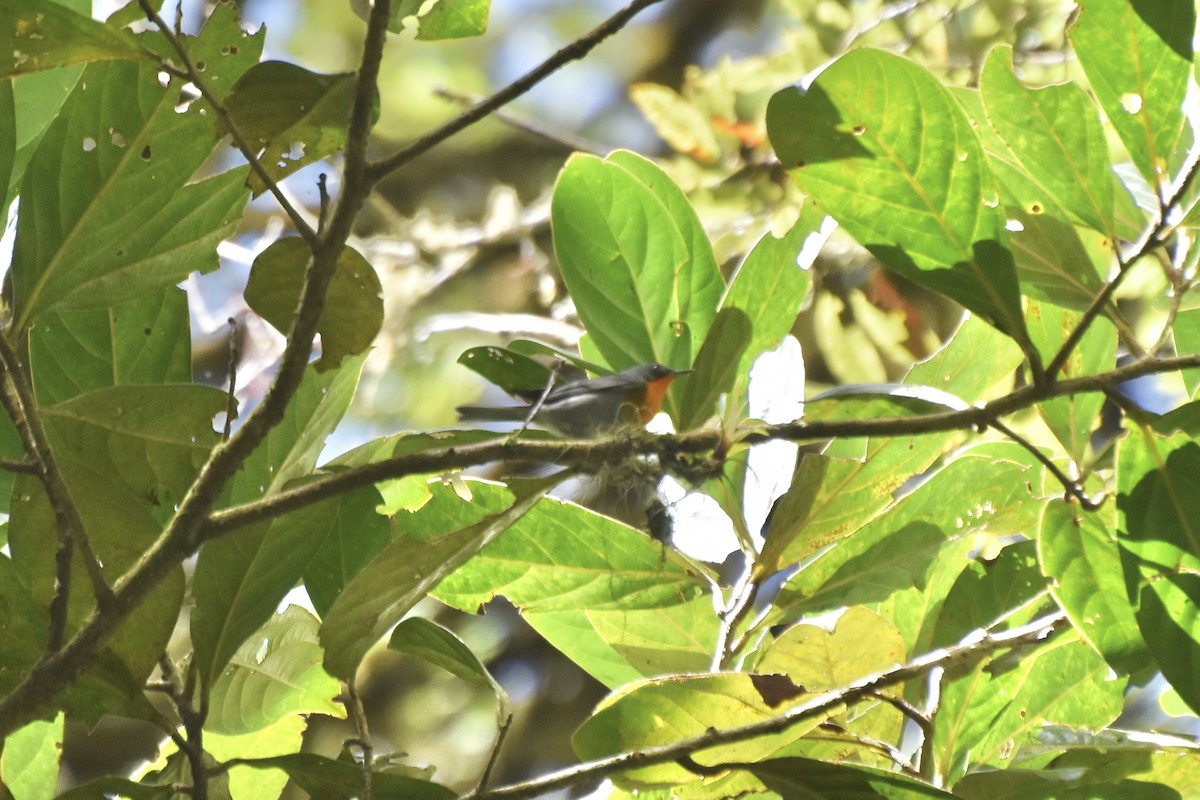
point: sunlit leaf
(668, 709)
(636, 261)
(44, 35)
(1138, 58)
(1056, 134)
(274, 674)
(884, 149)
(1079, 553)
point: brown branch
(19, 402)
(1071, 487)
(567, 139)
(572, 52)
(226, 119)
(591, 455)
(974, 648)
(354, 708)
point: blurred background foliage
(461, 241)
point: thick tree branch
(976, 647)
(572, 52)
(589, 456)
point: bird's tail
(492, 413)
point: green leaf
(561, 556)
(912, 554)
(275, 674)
(44, 35)
(884, 148)
(1073, 419)
(603, 593)
(680, 123)
(636, 261)
(818, 780)
(241, 578)
(37, 98)
(29, 763)
(24, 622)
(1138, 58)
(127, 455)
(1020, 784)
(136, 219)
(1056, 135)
(353, 531)
(988, 710)
(508, 369)
(291, 116)
(1187, 341)
(443, 19)
(616, 646)
(666, 710)
(342, 780)
(142, 341)
(1080, 556)
(770, 284)
(127, 156)
(715, 368)
(1160, 550)
(353, 311)
(821, 660)
(152, 440)
(282, 738)
(832, 496)
(433, 644)
(406, 570)
(8, 140)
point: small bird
(587, 409)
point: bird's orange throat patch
(653, 400)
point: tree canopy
(924, 522)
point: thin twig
(976, 647)
(887, 749)
(19, 465)
(568, 139)
(927, 758)
(231, 397)
(354, 708)
(741, 602)
(222, 113)
(572, 52)
(536, 406)
(494, 756)
(191, 744)
(323, 192)
(1071, 487)
(17, 397)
